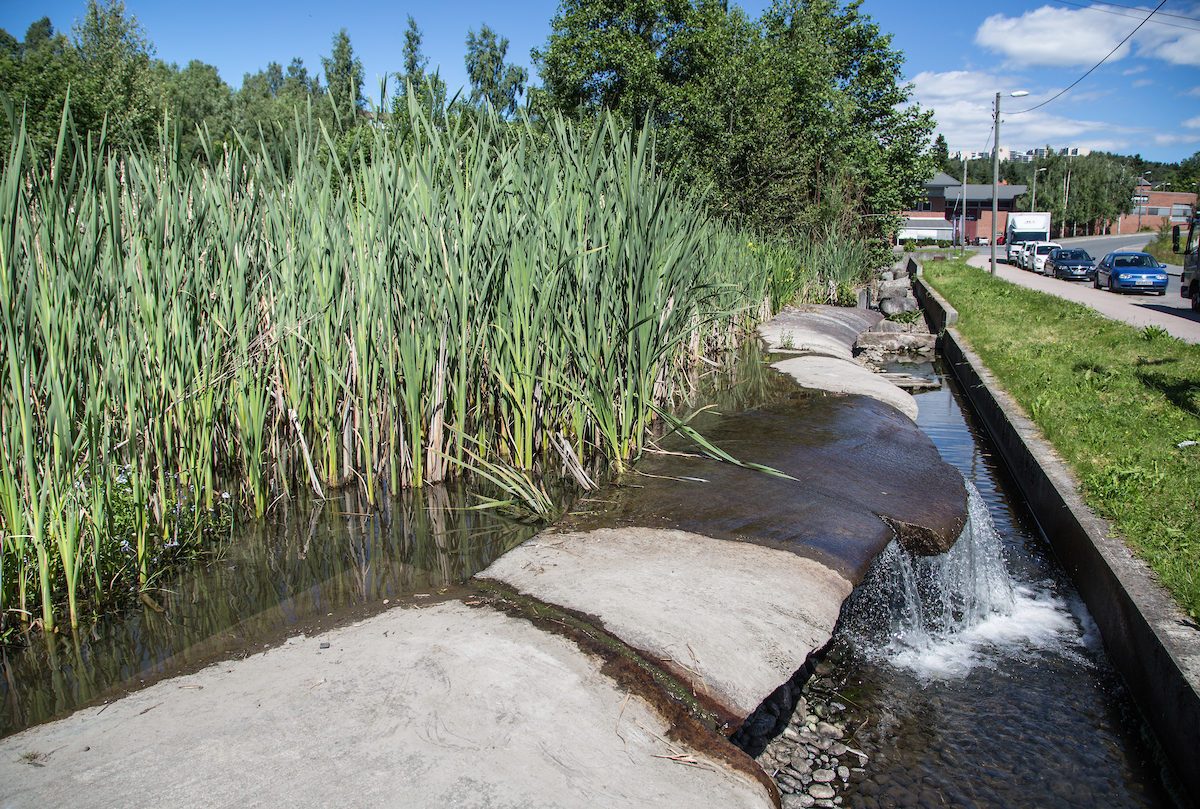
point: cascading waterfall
(941, 616)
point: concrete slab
(822, 330)
(443, 706)
(731, 619)
(840, 375)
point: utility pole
(1033, 201)
(995, 178)
(1140, 203)
(1066, 202)
(996, 170)
(963, 196)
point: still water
(979, 679)
(312, 565)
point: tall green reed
(478, 294)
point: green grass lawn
(1160, 248)
(1114, 401)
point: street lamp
(996, 169)
(1142, 205)
(1033, 202)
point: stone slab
(732, 619)
(896, 342)
(444, 706)
(841, 375)
(823, 330)
(860, 473)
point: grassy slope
(1114, 402)
(1160, 248)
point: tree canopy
(794, 119)
(492, 78)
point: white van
(1037, 255)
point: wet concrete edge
(695, 721)
(1148, 638)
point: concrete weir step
(603, 663)
(448, 705)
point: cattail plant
(478, 295)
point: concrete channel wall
(1149, 639)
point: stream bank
(469, 700)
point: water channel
(1013, 705)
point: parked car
(1026, 258)
(1038, 253)
(1131, 271)
(1012, 251)
(1070, 264)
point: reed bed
(477, 294)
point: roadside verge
(1150, 640)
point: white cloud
(1192, 123)
(1170, 43)
(1065, 37)
(1143, 82)
(1081, 96)
(1172, 140)
(1133, 71)
(1054, 36)
(962, 103)
(1194, 92)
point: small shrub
(906, 317)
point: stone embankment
(606, 662)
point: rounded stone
(800, 763)
(843, 773)
(829, 731)
(823, 776)
(821, 791)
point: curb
(1148, 638)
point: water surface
(1016, 706)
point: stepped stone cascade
(605, 662)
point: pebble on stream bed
(809, 760)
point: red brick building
(940, 214)
(1153, 209)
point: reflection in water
(307, 563)
(310, 561)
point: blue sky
(1145, 99)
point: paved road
(1171, 312)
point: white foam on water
(952, 613)
(1034, 620)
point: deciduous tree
(492, 79)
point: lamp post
(1142, 205)
(1033, 202)
(963, 199)
(996, 169)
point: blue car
(1131, 271)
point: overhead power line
(1138, 16)
(1090, 70)
(1135, 8)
